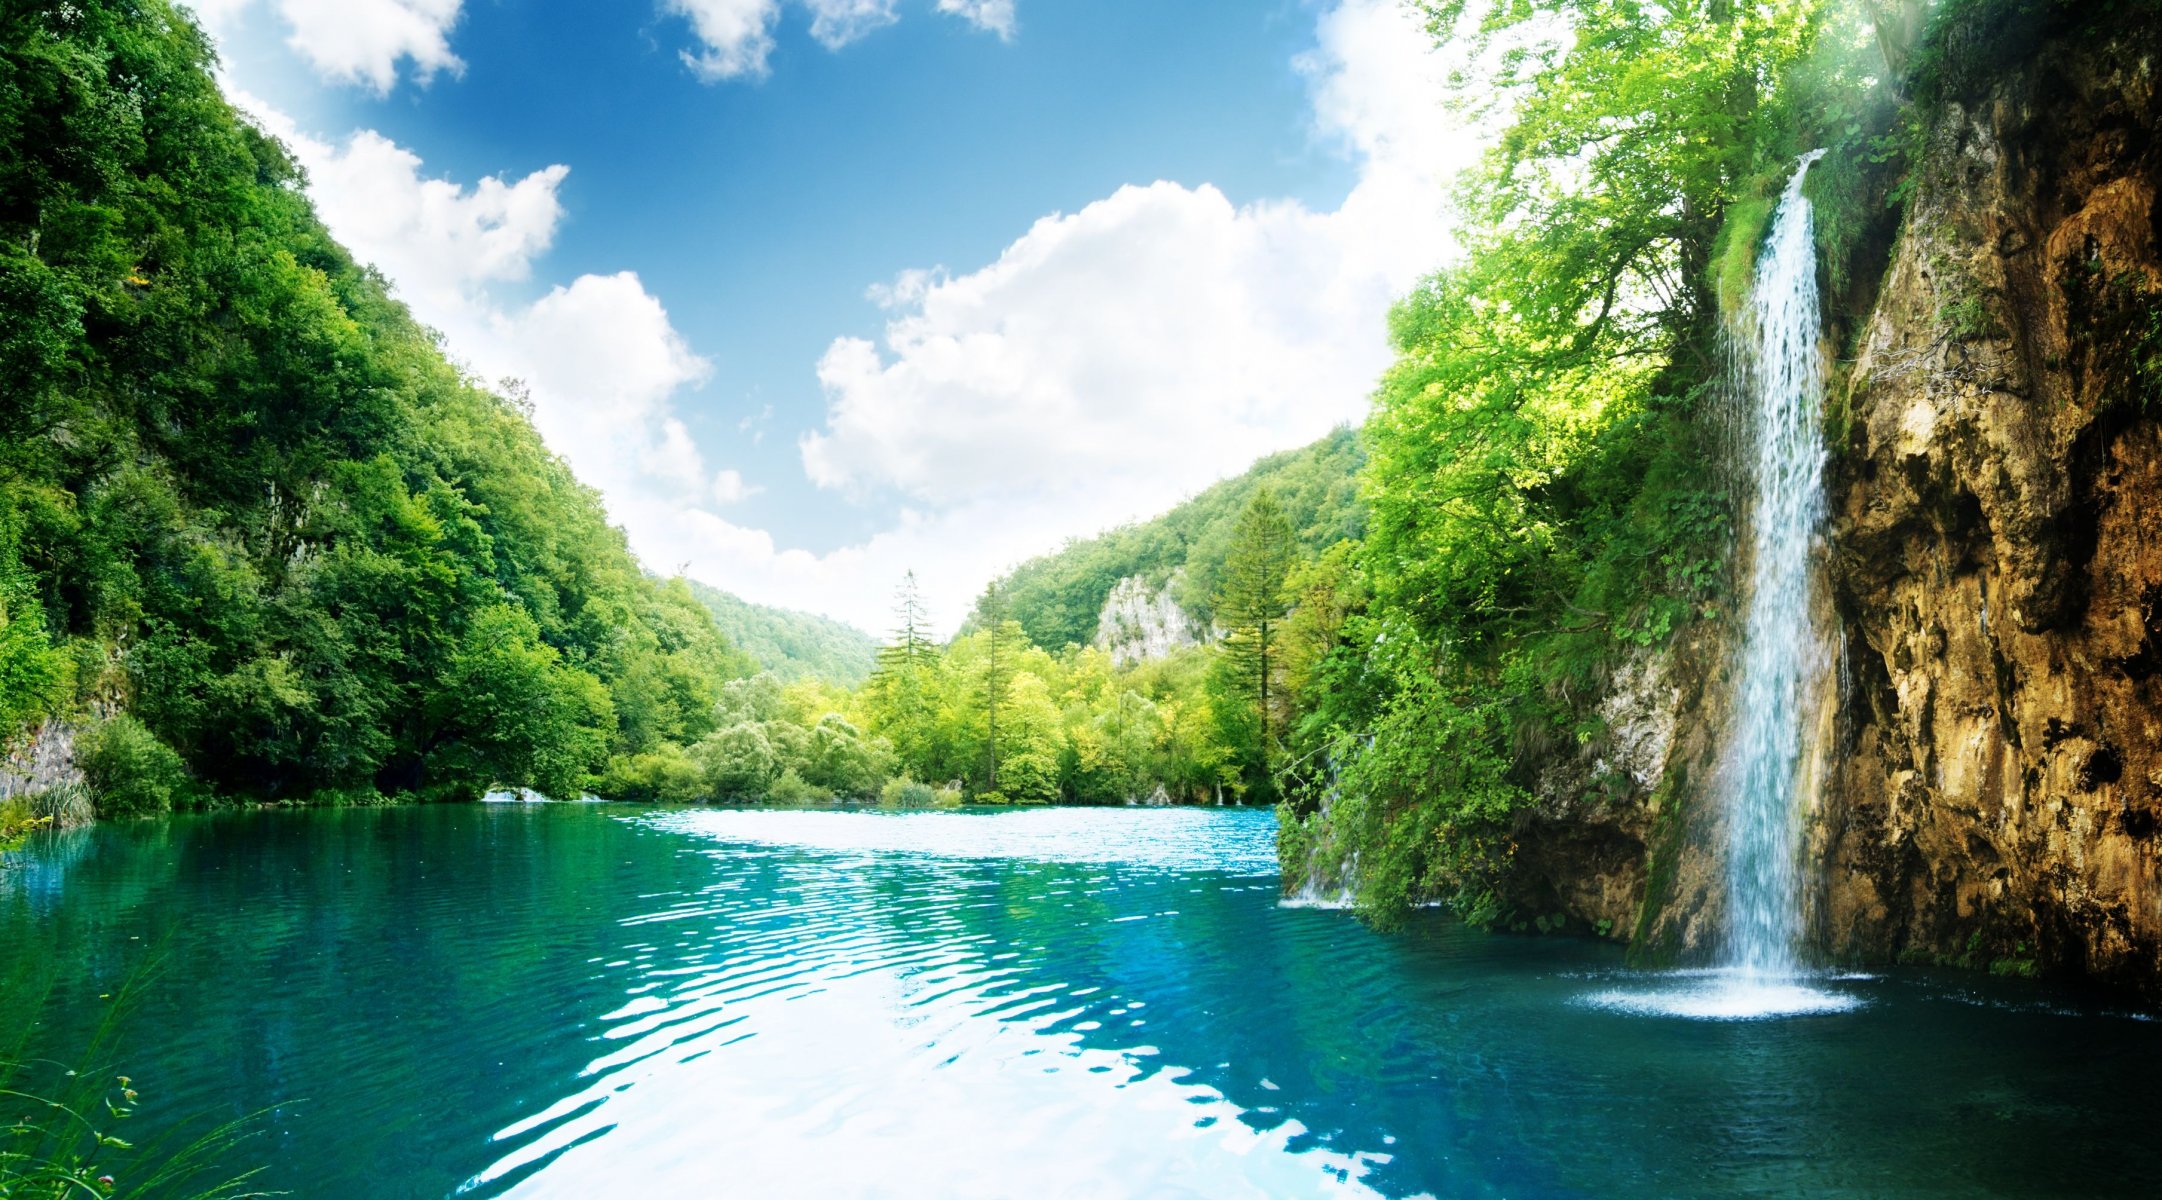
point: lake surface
(596, 1001)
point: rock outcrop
(1139, 623)
(40, 767)
(1997, 562)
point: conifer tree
(1250, 604)
(897, 684)
(1003, 644)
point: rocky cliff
(1140, 623)
(1997, 561)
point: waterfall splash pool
(585, 1000)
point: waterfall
(1780, 382)
(1777, 381)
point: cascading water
(1778, 378)
(1780, 372)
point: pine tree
(896, 685)
(1002, 646)
(1250, 604)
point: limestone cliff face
(40, 767)
(1139, 623)
(1996, 562)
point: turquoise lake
(597, 1001)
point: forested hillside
(258, 538)
(793, 645)
(1058, 597)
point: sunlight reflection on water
(853, 1029)
(1237, 843)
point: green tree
(739, 761)
(901, 691)
(1250, 604)
(1003, 642)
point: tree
(899, 693)
(1250, 604)
(739, 761)
(1003, 643)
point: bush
(666, 773)
(946, 797)
(130, 772)
(739, 762)
(790, 788)
(17, 822)
(907, 793)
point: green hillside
(789, 643)
(1057, 597)
(247, 503)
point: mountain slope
(790, 643)
(1058, 597)
(244, 497)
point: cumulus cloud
(357, 41)
(1116, 359)
(601, 361)
(992, 16)
(736, 36)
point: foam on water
(1724, 995)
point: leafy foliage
(131, 773)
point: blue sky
(817, 291)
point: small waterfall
(1780, 380)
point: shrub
(907, 793)
(131, 772)
(17, 822)
(790, 788)
(666, 773)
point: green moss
(1734, 254)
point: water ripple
(847, 1008)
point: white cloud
(836, 23)
(357, 41)
(729, 487)
(736, 36)
(604, 363)
(992, 16)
